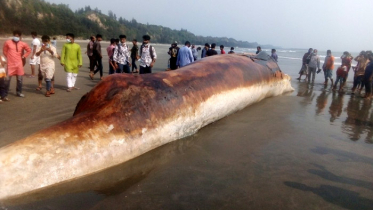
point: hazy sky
(338, 25)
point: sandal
(52, 91)
(68, 89)
(91, 76)
(75, 88)
(39, 88)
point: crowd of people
(180, 57)
(121, 58)
(44, 53)
(363, 71)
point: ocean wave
(290, 58)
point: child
(3, 89)
(342, 73)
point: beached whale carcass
(125, 116)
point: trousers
(71, 79)
(99, 66)
(19, 84)
(313, 72)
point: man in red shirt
(222, 49)
(13, 50)
(328, 67)
(110, 52)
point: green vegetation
(52, 19)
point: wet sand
(310, 149)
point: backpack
(150, 50)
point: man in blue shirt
(204, 50)
(185, 55)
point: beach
(309, 149)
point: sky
(339, 25)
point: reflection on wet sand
(305, 90)
(109, 182)
(336, 106)
(321, 102)
(357, 112)
(359, 119)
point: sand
(310, 149)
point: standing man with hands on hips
(13, 51)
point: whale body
(125, 116)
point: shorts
(35, 61)
(328, 74)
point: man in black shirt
(232, 51)
(212, 51)
(173, 51)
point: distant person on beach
(148, 56)
(110, 52)
(173, 51)
(134, 55)
(222, 51)
(13, 51)
(185, 56)
(47, 53)
(258, 50)
(368, 75)
(204, 50)
(54, 42)
(92, 60)
(212, 51)
(313, 64)
(342, 73)
(194, 52)
(71, 60)
(97, 54)
(3, 89)
(328, 67)
(34, 60)
(122, 56)
(362, 62)
(274, 55)
(232, 51)
(305, 61)
(347, 60)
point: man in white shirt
(47, 53)
(34, 60)
(121, 56)
(147, 56)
